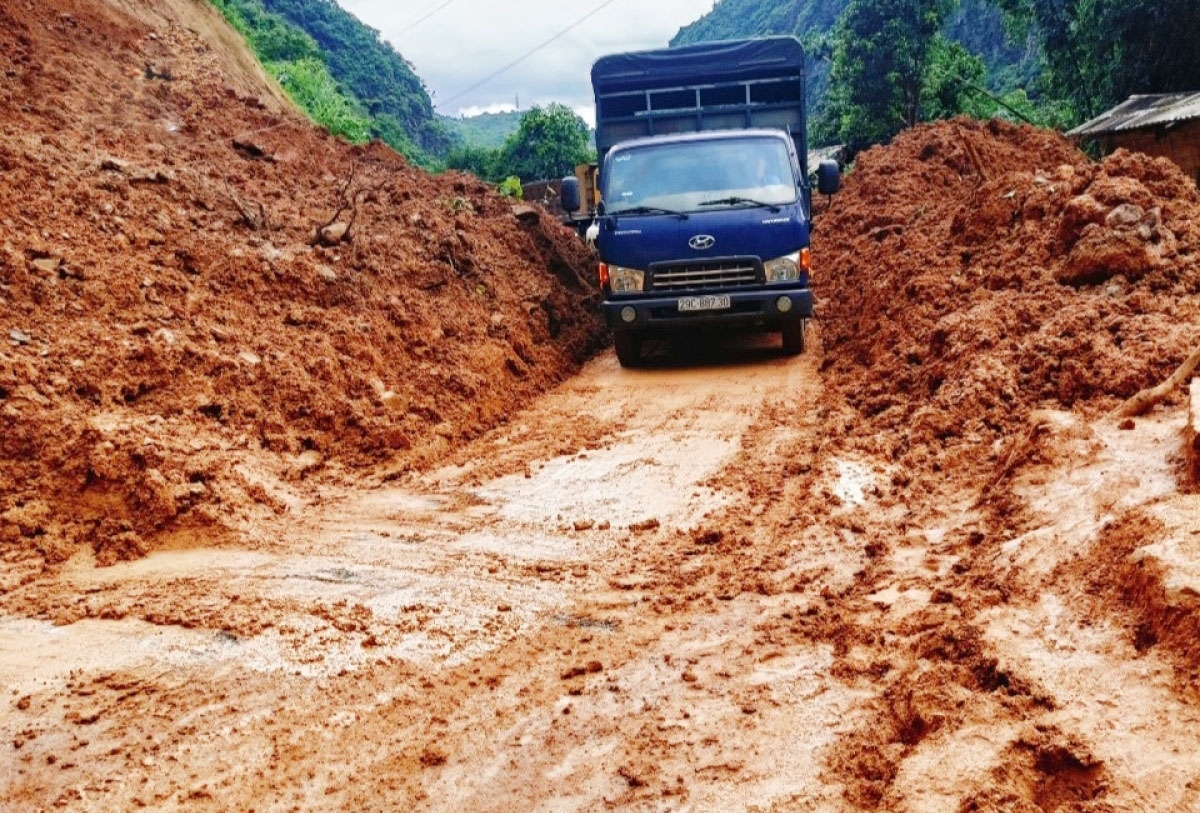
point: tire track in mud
(1004, 684)
(795, 626)
(679, 689)
(602, 623)
(647, 702)
(691, 704)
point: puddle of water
(654, 477)
(519, 544)
(854, 479)
(168, 564)
(39, 655)
(466, 610)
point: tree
(271, 37)
(479, 161)
(1098, 52)
(951, 79)
(879, 67)
(548, 143)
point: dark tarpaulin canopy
(732, 60)
(734, 84)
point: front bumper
(748, 310)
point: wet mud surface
(271, 560)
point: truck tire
(793, 337)
(629, 348)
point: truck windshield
(683, 175)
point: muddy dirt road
(492, 635)
(652, 590)
(290, 525)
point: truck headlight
(625, 280)
(783, 269)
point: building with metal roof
(1166, 124)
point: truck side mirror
(829, 177)
(569, 196)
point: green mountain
(342, 74)
(732, 19)
(370, 70)
(486, 130)
(978, 25)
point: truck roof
(715, 62)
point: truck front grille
(705, 276)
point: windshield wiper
(733, 201)
(649, 210)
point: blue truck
(705, 201)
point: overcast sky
(455, 44)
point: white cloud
(465, 41)
(478, 110)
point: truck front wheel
(629, 348)
(793, 337)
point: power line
(424, 8)
(528, 53)
(425, 17)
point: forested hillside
(977, 24)
(341, 73)
(731, 19)
(485, 131)
(1010, 59)
(369, 69)
(878, 66)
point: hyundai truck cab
(704, 230)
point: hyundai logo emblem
(702, 241)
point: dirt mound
(181, 339)
(1044, 279)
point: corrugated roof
(1143, 111)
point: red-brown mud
(300, 524)
(166, 303)
(975, 276)
(973, 271)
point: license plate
(714, 302)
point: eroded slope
(167, 305)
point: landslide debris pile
(971, 272)
(177, 334)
